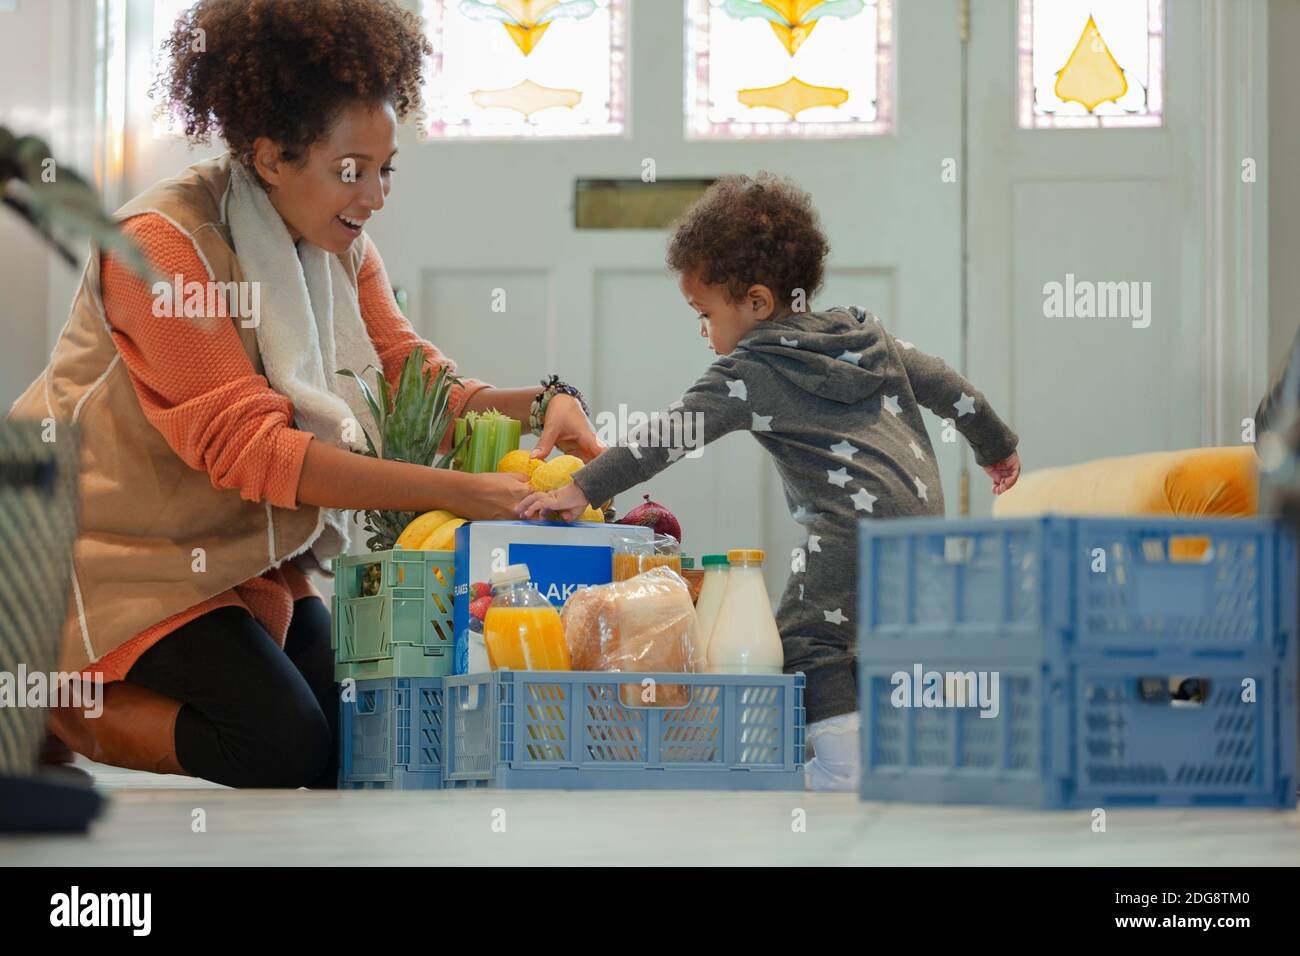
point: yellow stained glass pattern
(1090, 64)
(1091, 76)
(526, 37)
(793, 26)
(527, 98)
(829, 71)
(506, 68)
(795, 30)
(793, 96)
(526, 31)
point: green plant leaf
(446, 460)
(67, 206)
(367, 393)
(385, 393)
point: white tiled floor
(149, 821)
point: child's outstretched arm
(949, 395)
(714, 406)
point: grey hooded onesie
(836, 400)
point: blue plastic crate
(573, 730)
(1099, 733)
(391, 736)
(1218, 587)
(404, 629)
(1090, 663)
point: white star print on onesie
(844, 450)
(864, 500)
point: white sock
(835, 743)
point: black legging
(253, 715)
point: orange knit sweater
(199, 389)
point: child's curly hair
(283, 68)
(745, 231)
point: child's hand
(566, 503)
(1004, 473)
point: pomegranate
(653, 515)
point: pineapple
(412, 422)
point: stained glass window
(526, 68)
(788, 68)
(1091, 63)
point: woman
(218, 447)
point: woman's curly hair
(745, 231)
(283, 68)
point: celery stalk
(491, 436)
(507, 440)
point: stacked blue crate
(1135, 661)
(391, 734)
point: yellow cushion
(1194, 482)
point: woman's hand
(565, 425)
(1004, 473)
(566, 503)
(491, 496)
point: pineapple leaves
(370, 401)
(446, 460)
(412, 421)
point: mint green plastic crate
(404, 629)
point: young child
(832, 396)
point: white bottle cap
(514, 574)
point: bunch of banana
(431, 531)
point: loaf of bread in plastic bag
(645, 624)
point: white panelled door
(600, 308)
(1088, 210)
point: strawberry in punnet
(481, 589)
(656, 516)
(478, 607)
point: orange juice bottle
(522, 629)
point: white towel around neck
(309, 326)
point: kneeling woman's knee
(295, 746)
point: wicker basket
(38, 526)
